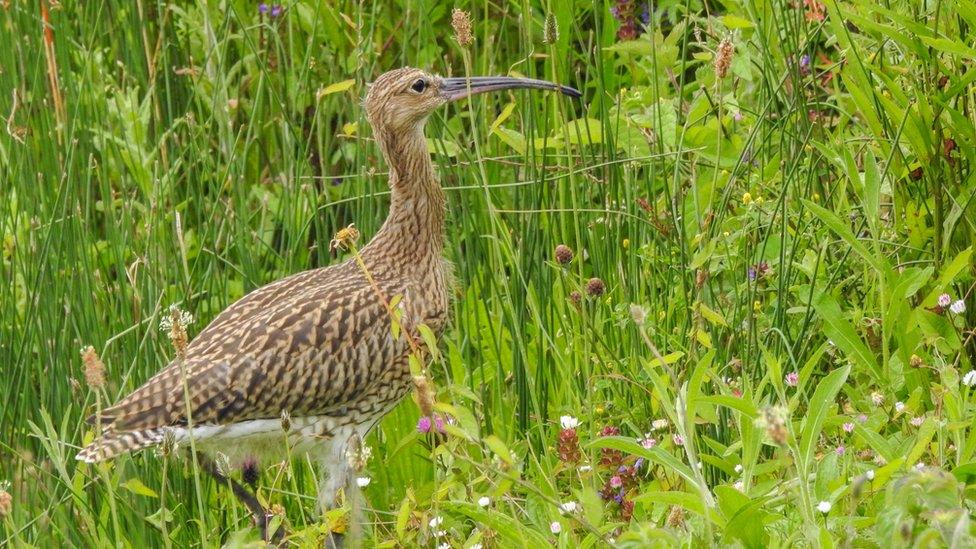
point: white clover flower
(585, 468)
(568, 507)
(945, 300)
(568, 422)
(436, 521)
(899, 406)
(958, 307)
(869, 474)
(475, 546)
(824, 507)
(444, 546)
(917, 421)
(484, 501)
(877, 398)
(363, 482)
(738, 485)
(555, 527)
(659, 424)
(970, 378)
(738, 468)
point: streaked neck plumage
(413, 233)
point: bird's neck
(413, 233)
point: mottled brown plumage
(317, 345)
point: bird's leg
(261, 516)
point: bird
(308, 364)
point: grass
(798, 219)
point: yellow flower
(625, 243)
(756, 306)
(746, 198)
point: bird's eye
(419, 86)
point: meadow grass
(762, 338)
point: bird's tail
(112, 444)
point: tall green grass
(189, 153)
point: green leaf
(831, 220)
(335, 88)
(515, 533)
(841, 332)
(499, 448)
(824, 397)
(136, 486)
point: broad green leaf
(824, 397)
(839, 228)
(335, 88)
(511, 530)
(841, 332)
(136, 486)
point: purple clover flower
(424, 424)
(262, 8)
(276, 10)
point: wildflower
(363, 482)
(425, 395)
(869, 474)
(595, 287)
(805, 61)
(878, 399)
(958, 307)
(746, 199)
(917, 421)
(249, 471)
(824, 507)
(424, 424)
(608, 456)
(555, 527)
(616, 481)
(94, 368)
(575, 297)
(563, 254)
(814, 10)
(626, 510)
(648, 442)
(584, 468)
(568, 507)
(568, 422)
(841, 450)
(737, 116)
(916, 174)
(285, 421)
(792, 379)
(263, 8)
(435, 522)
(625, 11)
(676, 517)
(945, 300)
(484, 501)
(848, 427)
(567, 446)
(738, 468)
(723, 57)
(175, 324)
(659, 424)
(550, 30)
(461, 23)
(6, 502)
(899, 406)
(444, 545)
(345, 239)
(862, 417)
(678, 439)
(738, 485)
(970, 378)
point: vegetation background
(764, 336)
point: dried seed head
(461, 22)
(774, 420)
(550, 30)
(676, 518)
(345, 239)
(223, 464)
(564, 254)
(575, 297)
(723, 57)
(425, 395)
(285, 421)
(701, 275)
(638, 314)
(595, 287)
(168, 446)
(174, 324)
(916, 361)
(357, 454)
(94, 368)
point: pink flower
(648, 443)
(424, 424)
(848, 427)
(945, 300)
(678, 439)
(439, 423)
(917, 421)
(616, 481)
(841, 450)
(792, 379)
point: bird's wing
(306, 352)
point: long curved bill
(459, 88)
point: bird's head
(401, 100)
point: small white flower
(439, 533)
(585, 468)
(568, 422)
(917, 421)
(824, 507)
(958, 307)
(436, 521)
(877, 398)
(363, 482)
(869, 474)
(970, 378)
(738, 467)
(738, 485)
(555, 527)
(899, 406)
(659, 424)
(444, 546)
(484, 501)
(568, 507)
(475, 546)
(920, 465)
(945, 300)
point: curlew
(316, 347)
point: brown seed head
(723, 57)
(461, 22)
(676, 518)
(425, 395)
(94, 368)
(6, 503)
(595, 287)
(564, 254)
(774, 420)
(575, 297)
